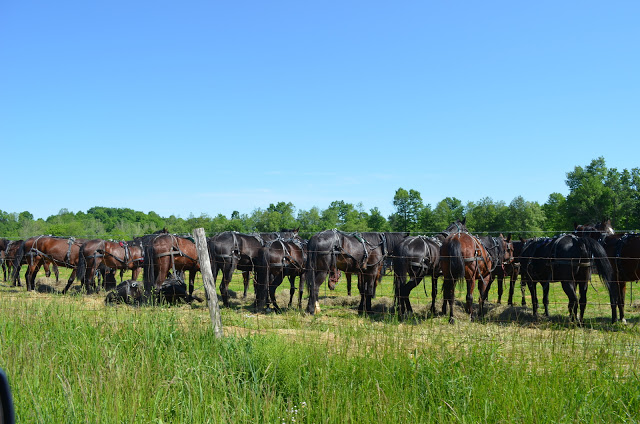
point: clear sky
(215, 106)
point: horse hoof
(452, 320)
(623, 321)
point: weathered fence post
(207, 279)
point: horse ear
(575, 225)
(508, 237)
(523, 240)
(464, 220)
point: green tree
(377, 222)
(408, 205)
(487, 216)
(446, 211)
(525, 219)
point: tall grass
(72, 359)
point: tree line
(596, 192)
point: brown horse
(165, 253)
(360, 253)
(464, 256)
(37, 251)
(278, 259)
(122, 255)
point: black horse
(566, 258)
(415, 257)
(511, 270)
(360, 253)
(278, 259)
(231, 250)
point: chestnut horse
(361, 253)
(165, 253)
(37, 251)
(464, 256)
(122, 255)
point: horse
(623, 251)
(511, 270)
(457, 226)
(231, 250)
(4, 243)
(566, 258)
(122, 255)
(465, 256)
(416, 257)
(361, 253)
(37, 251)
(278, 259)
(9, 255)
(164, 253)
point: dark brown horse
(464, 256)
(122, 255)
(37, 251)
(623, 251)
(231, 250)
(416, 257)
(168, 253)
(278, 259)
(360, 253)
(510, 270)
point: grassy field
(72, 359)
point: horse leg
(72, 278)
(500, 288)
(292, 288)
(227, 274)
(583, 286)
(245, 279)
(300, 290)
(545, 297)
(348, 277)
(448, 292)
(483, 288)
(471, 284)
(622, 292)
(570, 291)
(272, 291)
(534, 298)
(434, 293)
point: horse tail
(456, 260)
(399, 273)
(82, 265)
(261, 268)
(148, 271)
(16, 263)
(310, 272)
(600, 259)
(212, 258)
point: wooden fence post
(207, 279)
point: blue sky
(210, 106)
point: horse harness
(425, 262)
(173, 253)
(34, 251)
(362, 264)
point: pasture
(70, 358)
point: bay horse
(278, 259)
(231, 250)
(623, 251)
(415, 257)
(167, 253)
(116, 255)
(37, 251)
(569, 259)
(467, 257)
(361, 253)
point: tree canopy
(596, 192)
